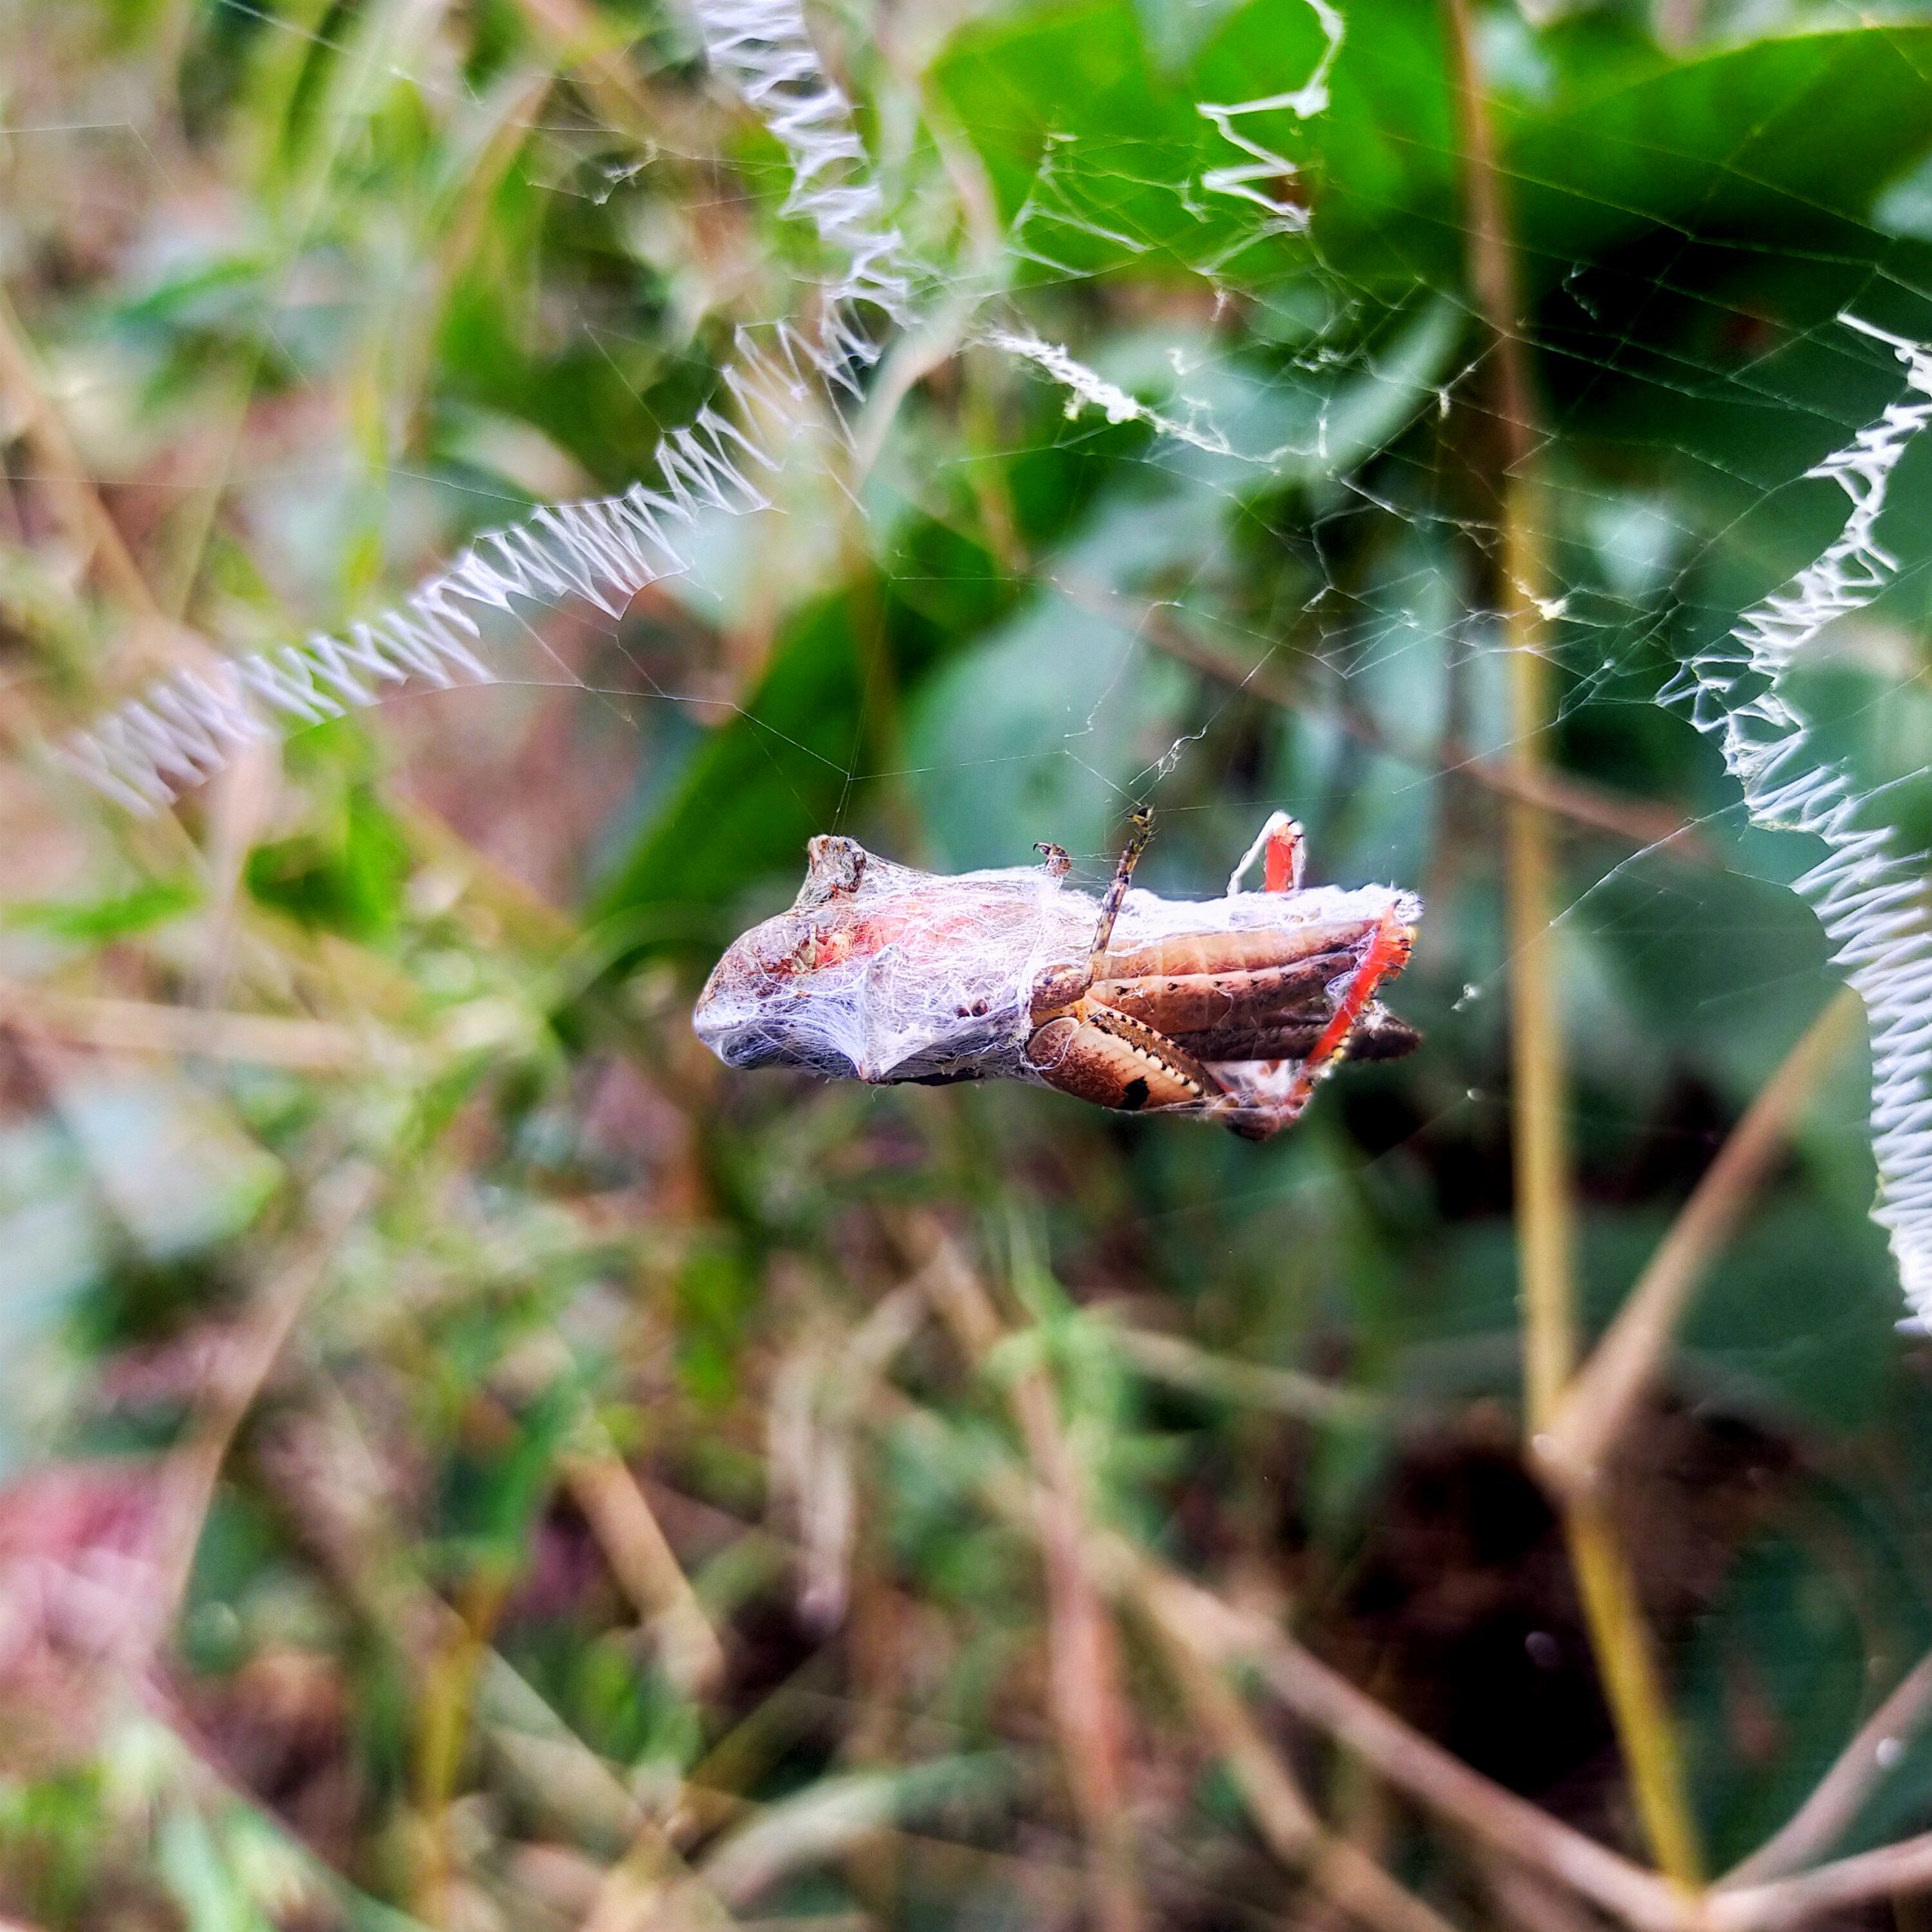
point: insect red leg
(1285, 857)
(1386, 952)
(1282, 847)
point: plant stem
(1613, 1613)
(1575, 1447)
(1545, 1219)
(1087, 1675)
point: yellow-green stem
(1545, 1219)
(1540, 1139)
(1614, 1616)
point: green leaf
(347, 879)
(96, 920)
(1099, 161)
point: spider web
(1262, 437)
(1117, 425)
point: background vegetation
(472, 1463)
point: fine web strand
(602, 551)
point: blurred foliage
(320, 287)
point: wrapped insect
(1232, 1008)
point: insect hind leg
(1258, 1117)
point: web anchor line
(188, 726)
(1867, 893)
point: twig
(1509, 1825)
(444, 1706)
(1088, 1697)
(1835, 1800)
(526, 1735)
(641, 1557)
(1536, 1070)
(1613, 1615)
(1597, 807)
(1546, 1233)
(1169, 1358)
(811, 1827)
(1286, 1820)
(1334, 1865)
(65, 476)
(1573, 1447)
(1410, 1761)
(1528, 1900)
(1890, 1870)
(1322, 1697)
(242, 799)
(650, 1888)
(339, 1497)
(146, 1026)
(194, 1467)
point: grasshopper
(1233, 1009)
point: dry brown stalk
(1529, 1901)
(1891, 1870)
(626, 1529)
(64, 476)
(1338, 1869)
(1573, 1447)
(1835, 1800)
(194, 1467)
(641, 1557)
(1333, 1865)
(1544, 1219)
(714, 1786)
(241, 804)
(337, 1490)
(1171, 1359)
(145, 1026)
(445, 1704)
(1546, 1234)
(1520, 1831)
(650, 1886)
(813, 1827)
(1322, 1697)
(243, 795)
(1403, 1756)
(647, 1891)
(1089, 1698)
